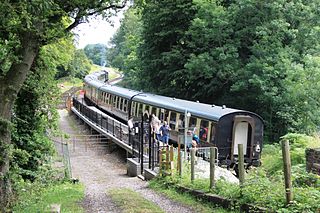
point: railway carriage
(217, 126)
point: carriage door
(243, 134)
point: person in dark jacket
(165, 133)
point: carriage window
(140, 109)
(181, 123)
(125, 105)
(108, 98)
(102, 96)
(137, 109)
(203, 133)
(99, 94)
(172, 122)
(164, 115)
(154, 111)
(213, 132)
(133, 108)
(120, 103)
(93, 93)
(146, 109)
(161, 116)
(192, 122)
(105, 98)
(115, 98)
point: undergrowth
(264, 186)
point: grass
(95, 68)
(132, 202)
(66, 195)
(67, 83)
(184, 198)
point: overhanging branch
(80, 15)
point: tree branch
(80, 15)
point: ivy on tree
(26, 26)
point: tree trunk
(10, 85)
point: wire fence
(80, 145)
(62, 150)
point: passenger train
(217, 126)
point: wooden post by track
(192, 163)
(160, 162)
(178, 159)
(180, 164)
(171, 160)
(212, 166)
(287, 170)
(241, 164)
(167, 158)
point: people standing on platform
(155, 125)
(165, 132)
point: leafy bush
(272, 154)
(261, 190)
(264, 186)
(37, 197)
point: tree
(80, 65)
(97, 53)
(251, 55)
(123, 53)
(277, 42)
(162, 52)
(34, 114)
(25, 26)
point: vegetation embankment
(38, 197)
(264, 186)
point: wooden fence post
(192, 163)
(160, 162)
(167, 158)
(241, 164)
(180, 164)
(171, 160)
(212, 166)
(287, 170)
(178, 159)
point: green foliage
(261, 190)
(96, 53)
(34, 114)
(79, 65)
(264, 186)
(123, 54)
(162, 52)
(68, 60)
(272, 154)
(261, 56)
(36, 197)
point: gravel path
(102, 171)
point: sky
(96, 31)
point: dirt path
(102, 171)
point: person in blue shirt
(195, 139)
(165, 133)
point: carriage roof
(210, 112)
